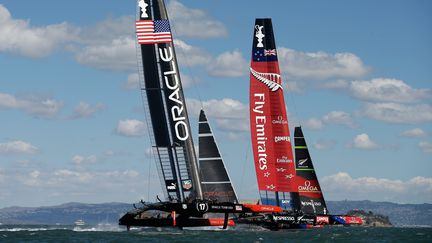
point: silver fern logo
(271, 80)
(302, 161)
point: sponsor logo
(259, 35)
(306, 219)
(307, 187)
(322, 220)
(238, 208)
(143, 5)
(283, 218)
(172, 82)
(286, 201)
(280, 169)
(267, 174)
(311, 203)
(216, 194)
(260, 122)
(187, 184)
(280, 120)
(184, 206)
(171, 185)
(290, 176)
(284, 159)
(278, 139)
(302, 161)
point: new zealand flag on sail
(264, 55)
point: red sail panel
(271, 143)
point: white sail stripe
(210, 158)
(205, 135)
(202, 122)
(215, 182)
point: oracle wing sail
(216, 183)
(164, 103)
(271, 143)
(310, 194)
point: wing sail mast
(271, 141)
(165, 105)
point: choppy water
(114, 233)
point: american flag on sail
(153, 31)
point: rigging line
(244, 167)
(292, 100)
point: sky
(357, 77)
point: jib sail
(165, 104)
(216, 184)
(310, 195)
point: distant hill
(399, 214)
(67, 214)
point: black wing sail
(310, 194)
(216, 184)
(165, 104)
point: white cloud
(228, 64)
(131, 128)
(337, 84)
(324, 144)
(342, 186)
(86, 110)
(333, 117)
(426, 147)
(363, 141)
(36, 106)
(229, 114)
(133, 81)
(415, 132)
(17, 147)
(18, 37)
(398, 113)
(194, 23)
(314, 123)
(319, 65)
(107, 30)
(117, 55)
(387, 90)
(339, 117)
(80, 159)
(190, 56)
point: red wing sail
(271, 143)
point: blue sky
(356, 75)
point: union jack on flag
(153, 31)
(271, 52)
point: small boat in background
(79, 222)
